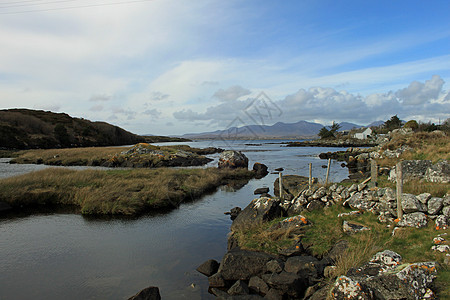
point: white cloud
(418, 93)
(232, 93)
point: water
(65, 255)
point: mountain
(348, 126)
(301, 129)
(376, 123)
(27, 129)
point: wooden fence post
(328, 171)
(280, 176)
(399, 172)
(310, 176)
(373, 173)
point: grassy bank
(125, 192)
(96, 156)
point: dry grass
(417, 187)
(124, 192)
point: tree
(393, 123)
(411, 124)
(324, 133)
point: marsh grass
(124, 192)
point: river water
(54, 255)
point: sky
(168, 67)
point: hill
(29, 129)
(298, 130)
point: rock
(258, 285)
(417, 220)
(258, 211)
(238, 288)
(150, 293)
(243, 264)
(423, 198)
(411, 204)
(234, 212)
(294, 250)
(439, 172)
(274, 294)
(351, 228)
(446, 211)
(209, 267)
(418, 277)
(322, 191)
(260, 191)
(233, 159)
(289, 284)
(336, 251)
(306, 266)
(314, 205)
(442, 222)
(411, 169)
(260, 170)
(348, 288)
(435, 205)
(216, 281)
(274, 266)
(441, 248)
(387, 257)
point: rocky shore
(295, 273)
(334, 143)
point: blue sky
(173, 67)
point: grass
(417, 187)
(125, 192)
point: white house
(363, 135)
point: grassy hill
(28, 129)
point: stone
(260, 191)
(352, 228)
(288, 283)
(274, 294)
(387, 257)
(411, 204)
(238, 288)
(435, 205)
(439, 172)
(274, 266)
(314, 205)
(259, 210)
(417, 220)
(446, 211)
(257, 285)
(441, 248)
(260, 170)
(216, 281)
(233, 159)
(150, 293)
(348, 288)
(242, 264)
(442, 222)
(322, 191)
(234, 212)
(209, 267)
(305, 265)
(423, 198)
(412, 170)
(418, 277)
(336, 251)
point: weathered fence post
(310, 176)
(280, 176)
(399, 172)
(328, 171)
(373, 173)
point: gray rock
(439, 172)
(350, 288)
(274, 266)
(242, 264)
(150, 293)
(352, 228)
(417, 220)
(209, 267)
(446, 200)
(260, 191)
(274, 294)
(314, 205)
(423, 198)
(387, 257)
(353, 188)
(388, 195)
(411, 169)
(238, 288)
(322, 191)
(257, 285)
(446, 211)
(216, 281)
(411, 204)
(288, 283)
(361, 187)
(435, 205)
(442, 222)
(305, 265)
(258, 211)
(233, 159)
(260, 170)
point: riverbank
(115, 192)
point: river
(54, 255)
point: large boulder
(258, 211)
(209, 267)
(260, 170)
(243, 264)
(411, 204)
(233, 159)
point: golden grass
(126, 192)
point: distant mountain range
(280, 130)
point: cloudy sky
(173, 67)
